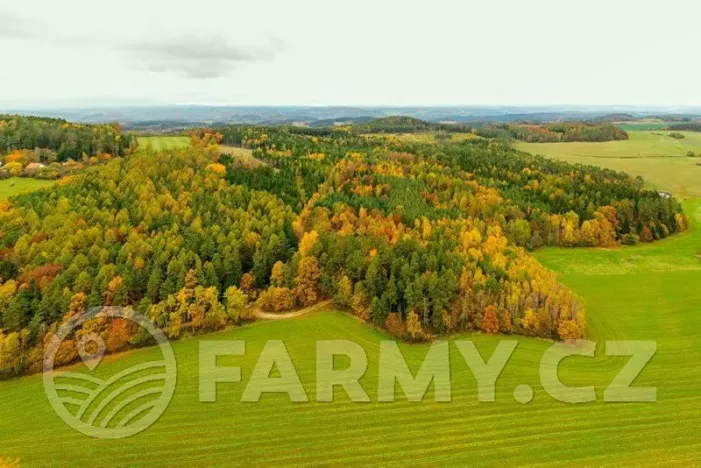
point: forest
(532, 132)
(417, 238)
(553, 132)
(61, 140)
(686, 126)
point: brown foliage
(490, 322)
(394, 325)
(119, 334)
(569, 330)
(43, 275)
(248, 286)
(307, 281)
(276, 299)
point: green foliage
(68, 140)
(688, 126)
(554, 132)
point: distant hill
(197, 115)
(619, 117)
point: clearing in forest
(21, 185)
(159, 143)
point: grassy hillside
(159, 143)
(21, 185)
(655, 156)
(660, 303)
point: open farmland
(655, 156)
(643, 124)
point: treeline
(529, 132)
(42, 163)
(568, 204)
(554, 132)
(688, 126)
(67, 140)
(395, 124)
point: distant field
(22, 185)
(658, 158)
(641, 125)
(159, 143)
(464, 432)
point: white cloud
(443, 52)
(13, 26)
(197, 57)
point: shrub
(630, 239)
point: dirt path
(259, 314)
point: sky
(84, 53)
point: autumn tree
(344, 292)
(490, 322)
(414, 329)
(308, 276)
(235, 302)
(277, 277)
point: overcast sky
(379, 52)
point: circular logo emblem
(117, 406)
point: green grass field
(22, 185)
(660, 159)
(159, 143)
(655, 297)
(641, 125)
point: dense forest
(65, 140)
(526, 131)
(417, 238)
(554, 132)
